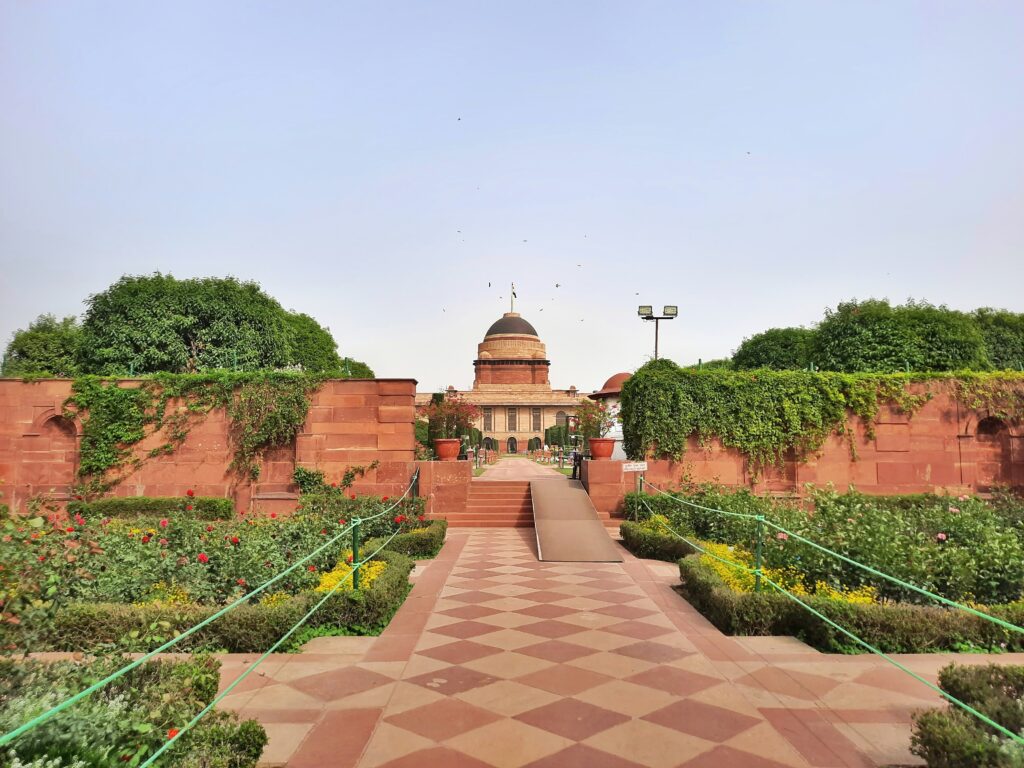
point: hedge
(652, 545)
(951, 738)
(248, 628)
(418, 546)
(890, 627)
(203, 507)
(127, 720)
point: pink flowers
(782, 536)
(954, 510)
(940, 537)
(79, 520)
(203, 558)
(342, 521)
(162, 542)
(965, 497)
(209, 528)
(164, 523)
(70, 529)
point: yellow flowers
(341, 575)
(274, 598)
(168, 594)
(741, 580)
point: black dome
(511, 324)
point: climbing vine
(264, 409)
(767, 414)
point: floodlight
(670, 311)
(645, 310)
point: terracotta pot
(447, 448)
(601, 448)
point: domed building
(512, 389)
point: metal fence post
(757, 553)
(355, 553)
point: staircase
(496, 504)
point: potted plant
(449, 417)
(595, 421)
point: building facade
(512, 389)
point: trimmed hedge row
(890, 627)
(246, 629)
(418, 546)
(952, 737)
(127, 720)
(203, 507)
(651, 545)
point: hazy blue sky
(376, 164)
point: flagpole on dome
(512, 300)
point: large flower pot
(447, 448)
(601, 448)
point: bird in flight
(558, 285)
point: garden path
(518, 469)
(497, 660)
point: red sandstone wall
(936, 450)
(350, 422)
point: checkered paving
(498, 660)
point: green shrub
(128, 719)
(644, 542)
(953, 738)
(248, 628)
(961, 548)
(418, 546)
(203, 507)
(778, 348)
(890, 627)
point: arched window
(513, 445)
(992, 454)
(990, 427)
(560, 418)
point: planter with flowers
(595, 421)
(449, 417)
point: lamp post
(668, 312)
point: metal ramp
(567, 526)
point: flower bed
(721, 586)
(952, 737)
(964, 549)
(83, 582)
(127, 720)
(891, 627)
(418, 543)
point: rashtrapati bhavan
(511, 388)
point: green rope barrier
(963, 705)
(900, 582)
(43, 717)
(181, 732)
(743, 515)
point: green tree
(153, 323)
(353, 369)
(310, 344)
(1004, 337)
(48, 347)
(778, 348)
(872, 336)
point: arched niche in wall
(50, 455)
(992, 453)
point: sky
(380, 165)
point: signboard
(634, 466)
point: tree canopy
(778, 348)
(873, 336)
(48, 347)
(157, 323)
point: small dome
(613, 386)
(511, 323)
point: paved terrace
(498, 660)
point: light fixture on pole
(668, 312)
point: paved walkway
(518, 469)
(497, 660)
